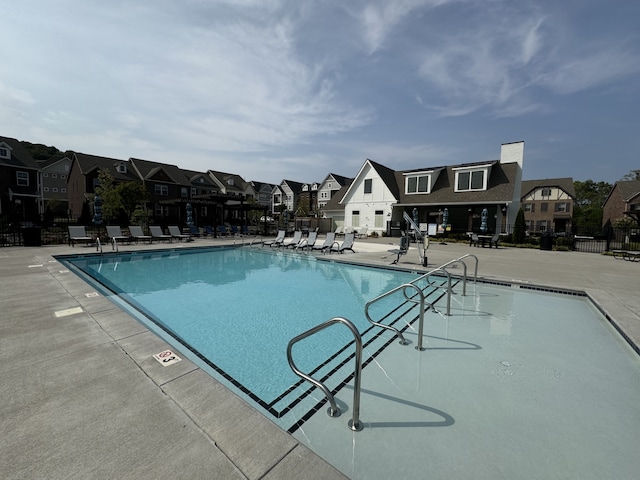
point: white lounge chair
(328, 241)
(308, 242)
(362, 233)
(297, 237)
(402, 250)
(349, 239)
(277, 241)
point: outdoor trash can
(546, 242)
(31, 236)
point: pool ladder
(333, 411)
(354, 424)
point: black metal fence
(31, 235)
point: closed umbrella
(445, 219)
(189, 215)
(97, 210)
(483, 220)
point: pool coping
(239, 441)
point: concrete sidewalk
(83, 396)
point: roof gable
(16, 155)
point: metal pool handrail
(334, 411)
(420, 293)
(255, 238)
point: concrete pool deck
(83, 396)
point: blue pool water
(236, 309)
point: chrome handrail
(460, 260)
(98, 245)
(334, 411)
(114, 245)
(255, 238)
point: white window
(121, 168)
(561, 207)
(355, 218)
(546, 192)
(183, 192)
(22, 179)
(368, 185)
(63, 190)
(54, 175)
(4, 152)
(528, 207)
(46, 189)
(470, 180)
(203, 211)
(45, 175)
(162, 190)
(379, 219)
(194, 191)
(63, 176)
(161, 211)
(417, 184)
(55, 189)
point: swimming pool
(235, 310)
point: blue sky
(278, 89)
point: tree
(590, 197)
(106, 189)
(132, 195)
(519, 228)
(632, 175)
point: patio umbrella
(415, 216)
(445, 218)
(189, 214)
(483, 220)
(97, 210)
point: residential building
(622, 202)
(83, 178)
(285, 197)
(548, 204)
(54, 174)
(309, 197)
(479, 196)
(20, 192)
(329, 187)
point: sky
(295, 90)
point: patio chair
(277, 241)
(175, 232)
(208, 230)
(137, 233)
(222, 231)
(79, 234)
(347, 244)
(308, 242)
(115, 235)
(402, 250)
(156, 233)
(362, 233)
(474, 240)
(194, 231)
(494, 240)
(297, 237)
(339, 231)
(328, 241)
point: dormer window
(230, 181)
(121, 168)
(472, 178)
(4, 152)
(305, 188)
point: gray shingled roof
(20, 157)
(566, 184)
(87, 163)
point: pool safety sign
(167, 358)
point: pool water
(236, 309)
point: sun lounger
(346, 245)
(329, 240)
(362, 233)
(277, 241)
(79, 234)
(308, 242)
(494, 240)
(137, 233)
(297, 236)
(175, 232)
(115, 235)
(157, 234)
